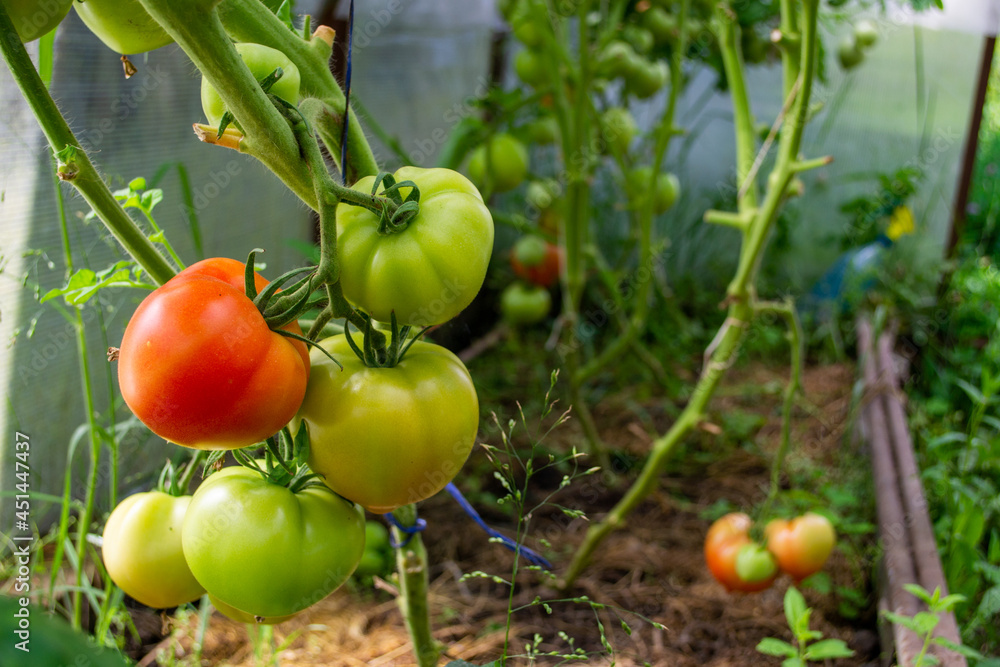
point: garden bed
(654, 568)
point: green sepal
(249, 281)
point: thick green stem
(786, 166)
(790, 42)
(722, 352)
(86, 179)
(746, 145)
(197, 29)
(251, 21)
(411, 565)
(723, 356)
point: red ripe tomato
(725, 539)
(537, 261)
(801, 545)
(199, 366)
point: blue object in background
(854, 273)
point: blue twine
(409, 531)
(347, 96)
(531, 556)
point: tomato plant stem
(722, 351)
(251, 21)
(732, 59)
(411, 565)
(644, 272)
(86, 179)
(198, 31)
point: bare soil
(654, 567)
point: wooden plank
(893, 533)
(924, 549)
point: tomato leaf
(795, 609)
(84, 284)
(828, 648)
(776, 647)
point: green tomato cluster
(852, 47)
(387, 436)
(123, 25)
(262, 552)
(643, 77)
(665, 192)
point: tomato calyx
(278, 311)
(385, 356)
(395, 212)
(283, 462)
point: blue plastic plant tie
(409, 531)
(529, 555)
(347, 96)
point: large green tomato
(428, 272)
(240, 616)
(34, 18)
(260, 60)
(123, 25)
(387, 437)
(142, 550)
(266, 551)
(508, 163)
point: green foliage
(85, 283)
(923, 623)
(869, 214)
(809, 644)
(49, 640)
(957, 431)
